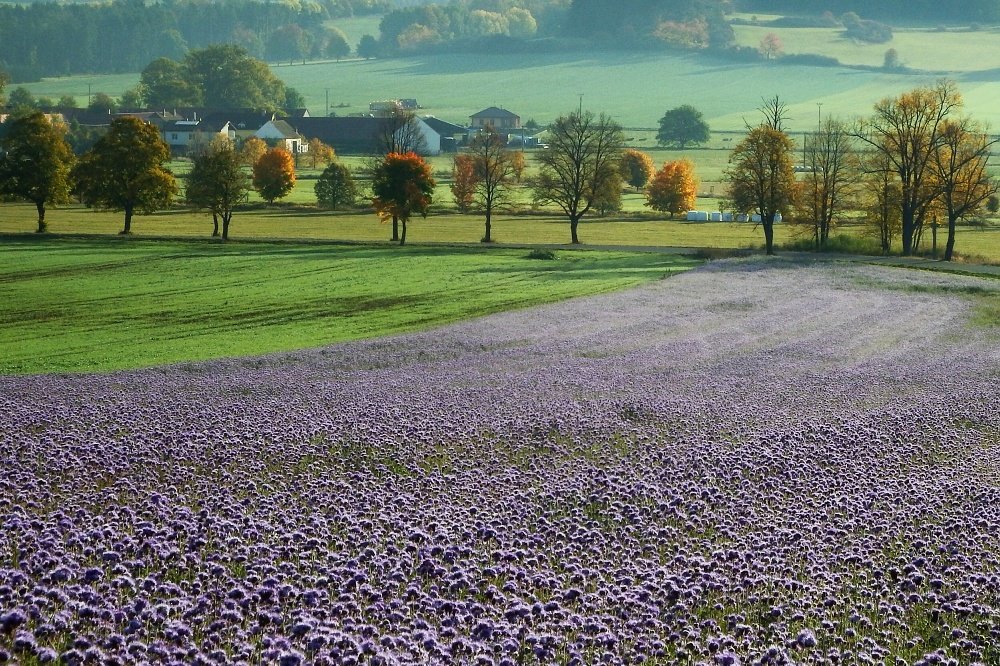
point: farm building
(358, 134)
(497, 118)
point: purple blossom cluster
(752, 463)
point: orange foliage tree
(636, 168)
(274, 174)
(673, 188)
(402, 185)
(463, 183)
(518, 164)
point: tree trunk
(395, 228)
(908, 229)
(402, 236)
(215, 225)
(949, 247)
(573, 221)
(42, 224)
(128, 222)
(769, 236)
(487, 238)
(226, 218)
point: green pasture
(635, 88)
(305, 222)
(73, 305)
(933, 50)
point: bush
(810, 59)
(840, 243)
(863, 30)
(541, 253)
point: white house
(280, 132)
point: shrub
(541, 253)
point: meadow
(75, 305)
(754, 462)
(541, 86)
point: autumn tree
(959, 169)
(881, 199)
(518, 164)
(761, 177)
(320, 153)
(583, 156)
(274, 174)
(335, 188)
(770, 46)
(827, 182)
(217, 182)
(35, 162)
(907, 131)
(402, 185)
(636, 168)
(609, 196)
(252, 150)
(125, 170)
(682, 126)
(493, 167)
(463, 182)
(673, 188)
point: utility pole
(819, 116)
(580, 109)
(327, 102)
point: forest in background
(59, 39)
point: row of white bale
(717, 216)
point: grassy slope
(634, 88)
(80, 305)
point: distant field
(634, 88)
(74, 305)
(951, 51)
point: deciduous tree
(402, 185)
(166, 85)
(771, 46)
(761, 177)
(518, 163)
(493, 168)
(959, 167)
(218, 183)
(826, 184)
(335, 187)
(35, 162)
(274, 174)
(636, 168)
(463, 182)
(320, 153)
(882, 199)
(583, 156)
(125, 170)
(229, 78)
(673, 188)
(906, 130)
(682, 126)
(252, 150)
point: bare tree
(582, 157)
(775, 113)
(494, 169)
(399, 132)
(826, 185)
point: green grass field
(634, 88)
(75, 305)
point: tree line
(60, 39)
(915, 160)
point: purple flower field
(750, 463)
